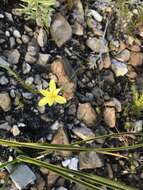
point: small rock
(106, 61)
(95, 15)
(61, 188)
(9, 16)
(42, 37)
(86, 113)
(123, 56)
(1, 16)
(55, 125)
(29, 80)
(12, 42)
(58, 68)
(7, 33)
(119, 68)
(61, 31)
(5, 126)
(5, 101)
(14, 56)
(15, 130)
(110, 116)
(136, 59)
(108, 76)
(138, 126)
(25, 38)
(61, 138)
(3, 80)
(16, 34)
(83, 132)
(117, 104)
(77, 29)
(97, 45)
(27, 95)
(30, 58)
(3, 63)
(26, 68)
(43, 58)
(21, 175)
(89, 160)
(52, 178)
(71, 163)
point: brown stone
(87, 114)
(5, 101)
(136, 59)
(64, 82)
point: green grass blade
(73, 175)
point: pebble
(12, 42)
(9, 16)
(15, 130)
(25, 38)
(87, 114)
(136, 59)
(13, 56)
(90, 160)
(61, 138)
(95, 15)
(16, 34)
(21, 175)
(61, 188)
(97, 45)
(55, 125)
(43, 58)
(77, 29)
(61, 30)
(109, 116)
(7, 33)
(71, 163)
(26, 68)
(5, 101)
(83, 132)
(106, 61)
(42, 37)
(119, 68)
(3, 80)
(138, 126)
(5, 126)
(1, 16)
(29, 80)
(123, 56)
(27, 95)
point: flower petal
(43, 101)
(52, 85)
(60, 100)
(46, 100)
(44, 92)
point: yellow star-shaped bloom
(51, 95)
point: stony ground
(89, 50)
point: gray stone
(89, 160)
(27, 95)
(26, 68)
(3, 63)
(61, 31)
(83, 132)
(119, 68)
(29, 80)
(3, 80)
(12, 42)
(1, 16)
(13, 56)
(5, 101)
(95, 15)
(43, 58)
(25, 38)
(97, 45)
(123, 56)
(9, 16)
(5, 126)
(42, 37)
(61, 188)
(21, 175)
(7, 33)
(16, 34)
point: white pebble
(16, 34)
(7, 33)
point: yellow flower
(51, 95)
